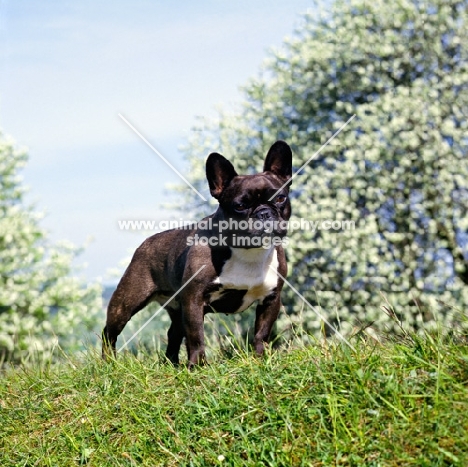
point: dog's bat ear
(219, 173)
(279, 160)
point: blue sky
(69, 68)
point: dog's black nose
(264, 214)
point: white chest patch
(249, 269)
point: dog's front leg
(266, 314)
(192, 314)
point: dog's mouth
(266, 221)
(262, 229)
(268, 232)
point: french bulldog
(222, 264)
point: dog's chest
(247, 276)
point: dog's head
(261, 201)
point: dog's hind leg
(133, 293)
(175, 335)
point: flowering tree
(40, 303)
(399, 170)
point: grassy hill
(393, 404)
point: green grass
(392, 404)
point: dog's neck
(252, 255)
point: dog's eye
(280, 199)
(239, 207)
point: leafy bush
(41, 304)
(399, 170)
